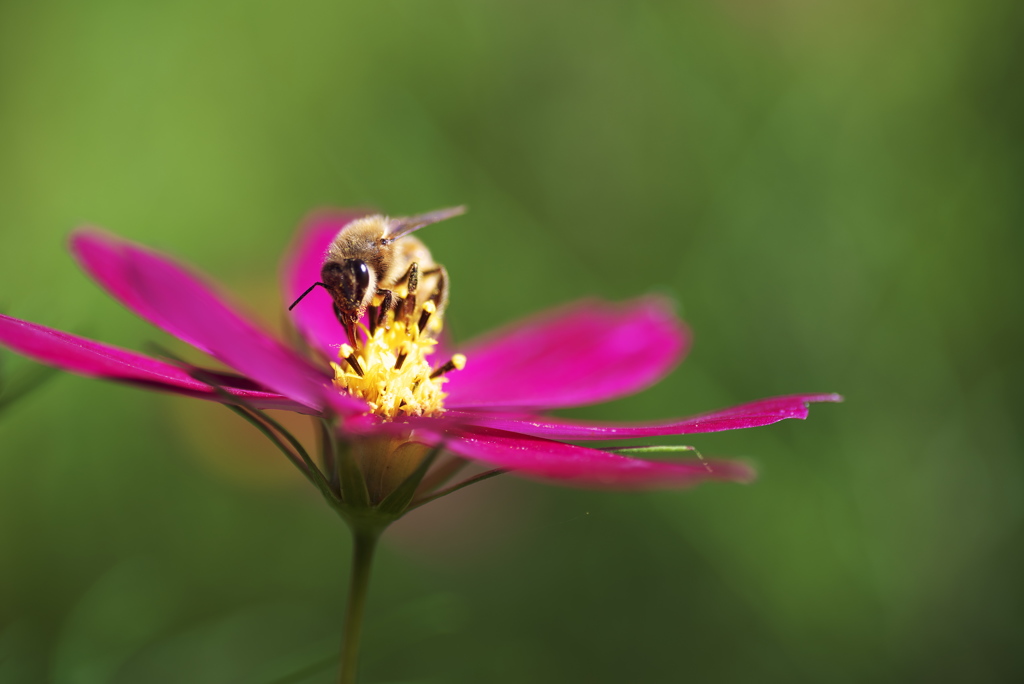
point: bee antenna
(308, 290)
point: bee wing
(398, 227)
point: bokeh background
(830, 190)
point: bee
(375, 255)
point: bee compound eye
(362, 272)
(353, 281)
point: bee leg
(440, 293)
(412, 281)
(385, 307)
(412, 277)
(439, 296)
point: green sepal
(395, 503)
(353, 484)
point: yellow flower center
(390, 372)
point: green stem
(363, 545)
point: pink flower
(494, 408)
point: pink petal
(584, 353)
(367, 424)
(314, 316)
(165, 293)
(568, 464)
(106, 261)
(754, 414)
(95, 359)
(345, 405)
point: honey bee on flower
(494, 411)
(372, 256)
(374, 267)
(370, 387)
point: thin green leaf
(441, 474)
(667, 449)
(456, 487)
(671, 449)
(25, 385)
(269, 434)
(309, 467)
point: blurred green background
(830, 190)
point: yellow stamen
(391, 372)
(457, 362)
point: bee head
(350, 282)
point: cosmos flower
(384, 419)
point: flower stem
(363, 545)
